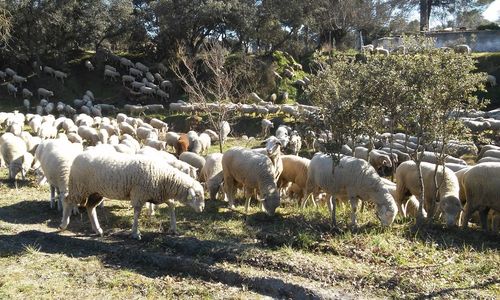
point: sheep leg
(92, 202)
(66, 214)
(483, 216)
(151, 208)
(332, 206)
(52, 196)
(420, 214)
(136, 234)
(173, 222)
(354, 208)
(247, 203)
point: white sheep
(491, 153)
(488, 159)
(212, 174)
(88, 134)
(55, 158)
(27, 93)
(158, 124)
(486, 148)
(351, 179)
(481, 191)
(295, 171)
(48, 70)
(15, 155)
(44, 93)
(111, 74)
(295, 143)
(108, 67)
(213, 135)
(60, 75)
(465, 49)
(253, 171)
(11, 89)
(95, 174)
(266, 126)
(19, 79)
(447, 192)
(382, 51)
(193, 159)
(135, 72)
(432, 157)
(225, 129)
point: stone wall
(479, 41)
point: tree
(208, 81)
(421, 92)
(5, 26)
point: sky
(493, 11)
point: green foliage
(490, 26)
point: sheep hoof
(99, 232)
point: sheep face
(387, 213)
(273, 146)
(271, 202)
(451, 208)
(196, 198)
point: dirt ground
(227, 254)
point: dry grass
(228, 254)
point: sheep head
(387, 212)
(271, 202)
(451, 207)
(273, 146)
(196, 197)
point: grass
(297, 246)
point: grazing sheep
(15, 155)
(48, 70)
(212, 174)
(127, 78)
(253, 171)
(213, 135)
(135, 72)
(447, 193)
(411, 207)
(171, 138)
(60, 75)
(111, 74)
(432, 158)
(55, 158)
(205, 142)
(44, 93)
(19, 79)
(482, 192)
(295, 171)
(95, 174)
(193, 159)
(182, 144)
(88, 134)
(158, 124)
(27, 93)
(194, 142)
(351, 179)
(11, 89)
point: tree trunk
(425, 14)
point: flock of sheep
(86, 158)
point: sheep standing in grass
(351, 179)
(225, 129)
(193, 159)
(11, 89)
(212, 174)
(44, 93)
(447, 192)
(60, 75)
(55, 158)
(253, 171)
(294, 171)
(481, 191)
(15, 155)
(95, 175)
(266, 126)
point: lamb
(15, 155)
(55, 158)
(351, 179)
(171, 138)
(294, 171)
(44, 93)
(448, 192)
(193, 159)
(411, 208)
(95, 175)
(481, 191)
(273, 151)
(376, 158)
(211, 173)
(194, 142)
(60, 75)
(253, 171)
